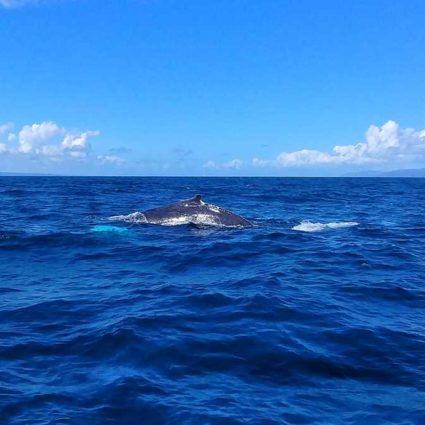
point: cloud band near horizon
(387, 146)
(383, 146)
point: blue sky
(220, 87)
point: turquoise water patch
(106, 228)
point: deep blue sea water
(115, 323)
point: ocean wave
(108, 321)
(308, 226)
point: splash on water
(308, 226)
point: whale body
(189, 211)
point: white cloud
(11, 4)
(111, 159)
(78, 145)
(47, 140)
(388, 144)
(304, 157)
(15, 3)
(5, 127)
(39, 138)
(234, 163)
(257, 162)
(210, 164)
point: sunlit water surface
(315, 315)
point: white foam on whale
(197, 219)
(136, 217)
(308, 226)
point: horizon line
(19, 174)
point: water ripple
(312, 316)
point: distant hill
(413, 172)
(365, 173)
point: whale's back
(195, 211)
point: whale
(188, 211)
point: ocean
(315, 315)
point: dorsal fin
(196, 198)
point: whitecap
(308, 226)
